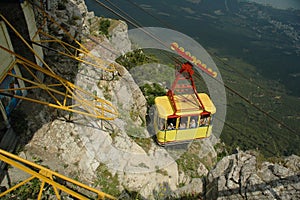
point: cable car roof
(186, 104)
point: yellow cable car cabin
(183, 114)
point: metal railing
(47, 176)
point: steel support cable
(145, 11)
(238, 72)
(124, 13)
(259, 109)
(241, 96)
(233, 128)
(247, 100)
(168, 25)
(245, 135)
(253, 105)
(116, 13)
(226, 86)
(135, 25)
(268, 91)
(178, 59)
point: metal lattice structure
(79, 52)
(23, 76)
(64, 95)
(49, 177)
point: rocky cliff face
(244, 176)
(120, 157)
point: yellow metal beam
(45, 175)
(81, 54)
(64, 94)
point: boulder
(119, 37)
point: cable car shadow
(177, 146)
(104, 125)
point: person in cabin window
(182, 125)
(170, 126)
(204, 121)
(193, 123)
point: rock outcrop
(243, 176)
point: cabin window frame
(172, 123)
(205, 120)
(161, 124)
(196, 118)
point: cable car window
(183, 122)
(204, 120)
(162, 124)
(171, 123)
(193, 122)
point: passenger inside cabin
(204, 121)
(193, 123)
(171, 123)
(182, 125)
(170, 126)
